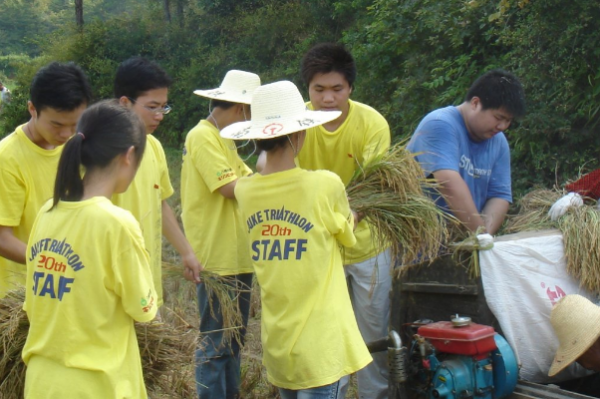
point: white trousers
(370, 283)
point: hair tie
(82, 135)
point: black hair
(225, 105)
(271, 144)
(105, 130)
(499, 89)
(61, 86)
(137, 75)
(326, 58)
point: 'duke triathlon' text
(278, 248)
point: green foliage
(413, 56)
(265, 39)
(23, 23)
(15, 112)
(553, 48)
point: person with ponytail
(295, 220)
(88, 274)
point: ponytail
(105, 131)
(69, 180)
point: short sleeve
(378, 140)
(133, 278)
(210, 159)
(13, 194)
(436, 146)
(344, 220)
(500, 181)
(165, 180)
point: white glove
(485, 241)
(560, 207)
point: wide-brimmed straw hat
(237, 87)
(277, 110)
(576, 322)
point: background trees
(413, 56)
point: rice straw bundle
(167, 358)
(13, 333)
(581, 234)
(580, 227)
(167, 352)
(533, 212)
(389, 192)
(223, 288)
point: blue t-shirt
(443, 143)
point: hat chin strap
(293, 148)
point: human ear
(31, 109)
(129, 158)
(125, 102)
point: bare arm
(227, 190)
(175, 236)
(10, 246)
(458, 197)
(493, 213)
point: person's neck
(279, 160)
(463, 109)
(99, 183)
(221, 118)
(32, 134)
(336, 123)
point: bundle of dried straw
(167, 352)
(580, 228)
(533, 212)
(226, 291)
(389, 191)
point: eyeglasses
(155, 110)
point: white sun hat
(576, 322)
(237, 87)
(277, 110)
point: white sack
(523, 276)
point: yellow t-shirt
(27, 174)
(295, 220)
(88, 279)
(144, 199)
(212, 222)
(363, 135)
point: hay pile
(581, 234)
(533, 212)
(13, 333)
(167, 352)
(389, 191)
(580, 228)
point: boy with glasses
(143, 86)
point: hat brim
(225, 95)
(567, 356)
(261, 130)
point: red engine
(469, 340)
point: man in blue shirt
(464, 149)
